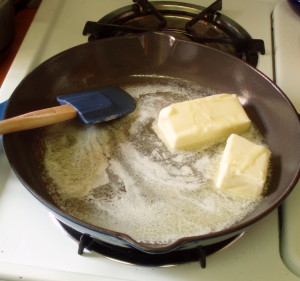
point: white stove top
(32, 247)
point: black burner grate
(185, 21)
(137, 257)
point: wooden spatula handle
(36, 119)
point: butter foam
(120, 176)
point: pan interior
(120, 176)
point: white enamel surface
(287, 57)
(31, 245)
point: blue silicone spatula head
(100, 105)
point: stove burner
(183, 21)
(137, 257)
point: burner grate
(184, 21)
(136, 257)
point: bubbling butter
(202, 121)
(120, 176)
(244, 167)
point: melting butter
(201, 121)
(244, 167)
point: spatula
(91, 107)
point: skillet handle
(37, 119)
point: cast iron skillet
(132, 60)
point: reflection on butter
(202, 121)
(243, 168)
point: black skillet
(137, 60)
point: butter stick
(201, 121)
(243, 168)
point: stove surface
(287, 57)
(32, 247)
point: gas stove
(34, 246)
